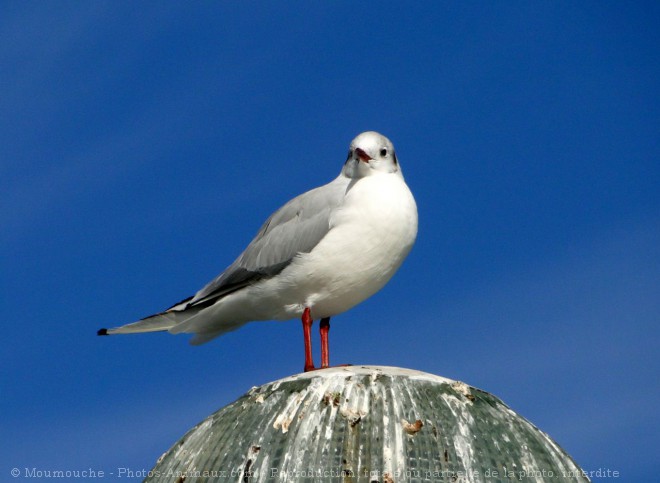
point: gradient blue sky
(143, 144)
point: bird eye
(383, 152)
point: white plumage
(326, 250)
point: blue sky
(143, 144)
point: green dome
(366, 424)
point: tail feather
(155, 323)
(204, 324)
(200, 321)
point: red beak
(362, 155)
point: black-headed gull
(317, 256)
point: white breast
(371, 235)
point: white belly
(370, 237)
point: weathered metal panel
(366, 424)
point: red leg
(325, 345)
(307, 334)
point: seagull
(319, 255)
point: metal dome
(366, 424)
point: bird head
(370, 153)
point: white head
(370, 153)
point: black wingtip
(102, 332)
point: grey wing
(295, 228)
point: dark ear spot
(396, 161)
(350, 154)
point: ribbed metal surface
(366, 424)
